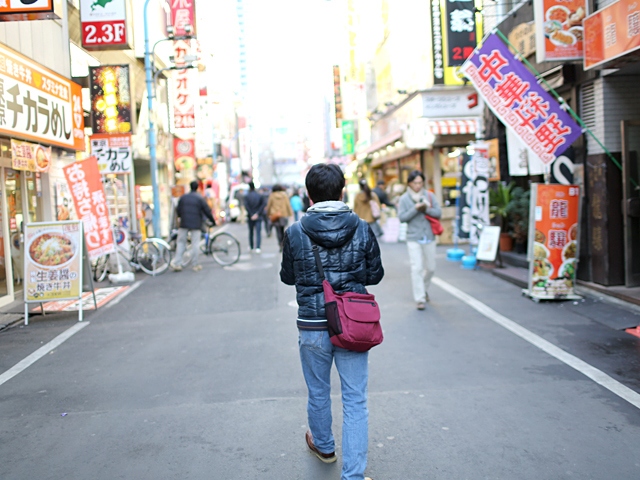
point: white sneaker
(175, 268)
(258, 250)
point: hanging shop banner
(610, 33)
(39, 105)
(183, 16)
(464, 200)
(515, 97)
(348, 137)
(53, 261)
(85, 184)
(559, 32)
(461, 31)
(30, 157)
(184, 154)
(553, 240)
(184, 110)
(494, 160)
(438, 52)
(110, 99)
(480, 164)
(337, 94)
(104, 24)
(113, 152)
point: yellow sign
(53, 261)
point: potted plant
(518, 212)
(499, 200)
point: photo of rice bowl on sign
(52, 249)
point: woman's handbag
(436, 226)
(375, 209)
(274, 217)
(353, 318)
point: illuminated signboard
(110, 99)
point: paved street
(196, 375)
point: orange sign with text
(611, 32)
(553, 245)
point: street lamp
(149, 79)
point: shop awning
(453, 127)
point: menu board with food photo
(53, 261)
(559, 31)
(30, 157)
(553, 240)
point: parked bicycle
(222, 246)
(152, 256)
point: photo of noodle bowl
(52, 249)
(42, 159)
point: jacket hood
(330, 224)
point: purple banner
(515, 97)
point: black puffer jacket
(192, 208)
(349, 253)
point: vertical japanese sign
(104, 24)
(479, 186)
(85, 184)
(559, 31)
(110, 99)
(438, 54)
(38, 104)
(113, 153)
(184, 109)
(337, 94)
(30, 157)
(461, 31)
(183, 14)
(515, 97)
(348, 137)
(553, 240)
(53, 261)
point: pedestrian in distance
(382, 194)
(191, 209)
(296, 205)
(279, 210)
(367, 206)
(265, 218)
(350, 256)
(414, 204)
(254, 203)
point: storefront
(43, 124)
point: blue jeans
(254, 225)
(317, 354)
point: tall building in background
(242, 46)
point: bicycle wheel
(152, 258)
(100, 268)
(224, 248)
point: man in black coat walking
(254, 203)
(191, 209)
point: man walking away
(254, 203)
(350, 258)
(192, 207)
(382, 194)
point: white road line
(126, 292)
(587, 370)
(41, 352)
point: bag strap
(318, 262)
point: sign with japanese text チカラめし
(85, 185)
(38, 104)
(519, 101)
(113, 152)
(53, 261)
(553, 240)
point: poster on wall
(553, 241)
(30, 157)
(110, 99)
(184, 154)
(85, 184)
(559, 31)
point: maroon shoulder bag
(353, 318)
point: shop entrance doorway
(631, 200)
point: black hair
(277, 188)
(194, 185)
(324, 182)
(415, 174)
(252, 186)
(364, 186)
(380, 182)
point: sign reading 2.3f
(104, 24)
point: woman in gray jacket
(421, 242)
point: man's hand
(254, 217)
